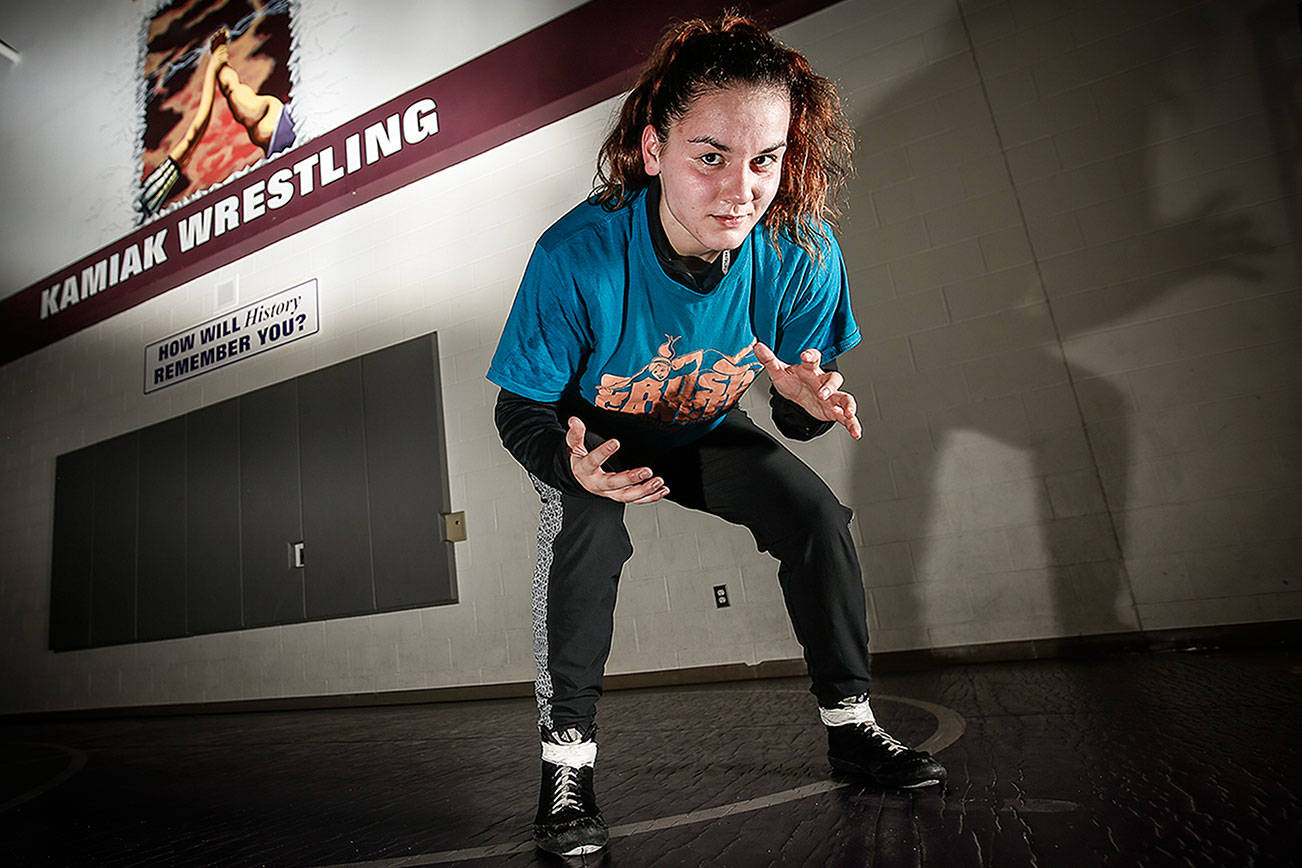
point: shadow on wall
(1271, 24)
(995, 476)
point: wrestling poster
(216, 95)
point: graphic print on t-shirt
(675, 388)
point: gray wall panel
(113, 563)
(160, 559)
(185, 527)
(213, 519)
(269, 505)
(408, 485)
(336, 529)
(74, 497)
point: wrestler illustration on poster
(216, 94)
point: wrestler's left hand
(817, 391)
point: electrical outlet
(721, 596)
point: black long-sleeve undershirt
(792, 420)
(534, 433)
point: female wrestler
(702, 257)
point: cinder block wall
(1074, 243)
(1073, 246)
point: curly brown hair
(697, 56)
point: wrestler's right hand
(629, 486)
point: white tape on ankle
(859, 712)
(573, 755)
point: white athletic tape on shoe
(573, 755)
(859, 712)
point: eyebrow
(720, 146)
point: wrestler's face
(719, 167)
(659, 369)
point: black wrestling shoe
(866, 750)
(568, 822)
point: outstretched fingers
(831, 383)
(769, 359)
(656, 494)
(630, 486)
(574, 437)
(639, 485)
(844, 411)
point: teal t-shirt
(597, 318)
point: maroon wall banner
(575, 61)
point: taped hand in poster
(265, 118)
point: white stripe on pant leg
(549, 527)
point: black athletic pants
(741, 474)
